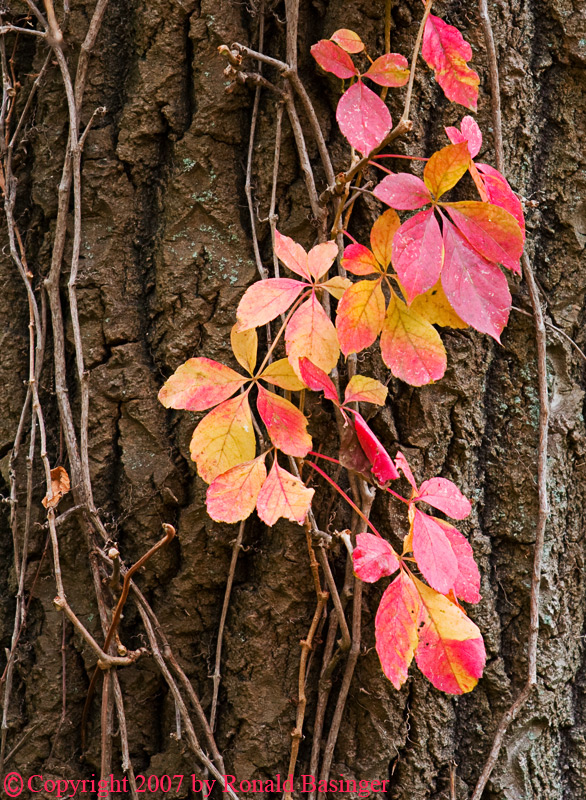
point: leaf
(60, 486)
(231, 497)
(317, 380)
(396, 628)
(418, 253)
(469, 132)
(359, 260)
(265, 300)
(381, 462)
(223, 438)
(360, 316)
(410, 346)
(475, 287)
(363, 118)
(333, 59)
(500, 193)
(403, 191)
(445, 496)
(351, 454)
(361, 389)
(292, 255)
(283, 495)
(320, 258)
(381, 236)
(310, 333)
(445, 168)
(280, 373)
(433, 306)
(392, 69)
(403, 466)
(244, 346)
(491, 230)
(348, 40)
(467, 583)
(451, 652)
(373, 558)
(446, 52)
(336, 286)
(200, 383)
(286, 425)
(433, 553)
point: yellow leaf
(280, 373)
(245, 345)
(224, 438)
(336, 286)
(435, 307)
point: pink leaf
(392, 69)
(310, 333)
(476, 288)
(292, 255)
(320, 258)
(265, 300)
(382, 464)
(373, 558)
(359, 260)
(469, 132)
(403, 466)
(317, 380)
(333, 59)
(396, 628)
(445, 496)
(200, 383)
(363, 118)
(491, 230)
(418, 253)
(403, 191)
(348, 40)
(500, 193)
(231, 497)
(286, 425)
(283, 495)
(433, 553)
(467, 583)
(446, 52)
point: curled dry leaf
(60, 485)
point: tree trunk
(166, 253)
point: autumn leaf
(231, 497)
(348, 40)
(283, 495)
(382, 234)
(467, 583)
(491, 230)
(280, 373)
(60, 486)
(396, 628)
(434, 307)
(499, 193)
(317, 380)
(445, 168)
(433, 553)
(363, 118)
(410, 346)
(310, 266)
(373, 558)
(199, 384)
(359, 260)
(392, 69)
(446, 51)
(451, 652)
(265, 300)
(361, 389)
(403, 191)
(310, 333)
(333, 59)
(381, 463)
(223, 438)
(402, 464)
(360, 316)
(469, 132)
(244, 346)
(336, 286)
(418, 253)
(445, 496)
(286, 425)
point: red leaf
(451, 651)
(333, 59)
(500, 193)
(403, 191)
(476, 288)
(360, 316)
(396, 628)
(283, 495)
(310, 333)
(199, 384)
(359, 260)
(433, 553)
(467, 583)
(363, 118)
(445, 168)
(418, 253)
(265, 300)
(391, 69)
(348, 40)
(382, 234)
(231, 497)
(317, 380)
(361, 389)
(446, 52)
(469, 132)
(373, 558)
(382, 464)
(403, 466)
(286, 425)
(491, 230)
(445, 496)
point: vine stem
(542, 475)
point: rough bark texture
(166, 253)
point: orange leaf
(283, 495)
(396, 628)
(348, 40)
(223, 438)
(310, 333)
(199, 384)
(286, 425)
(445, 168)
(381, 236)
(232, 496)
(60, 485)
(361, 312)
(491, 230)
(361, 389)
(359, 260)
(265, 300)
(336, 286)
(244, 346)
(280, 373)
